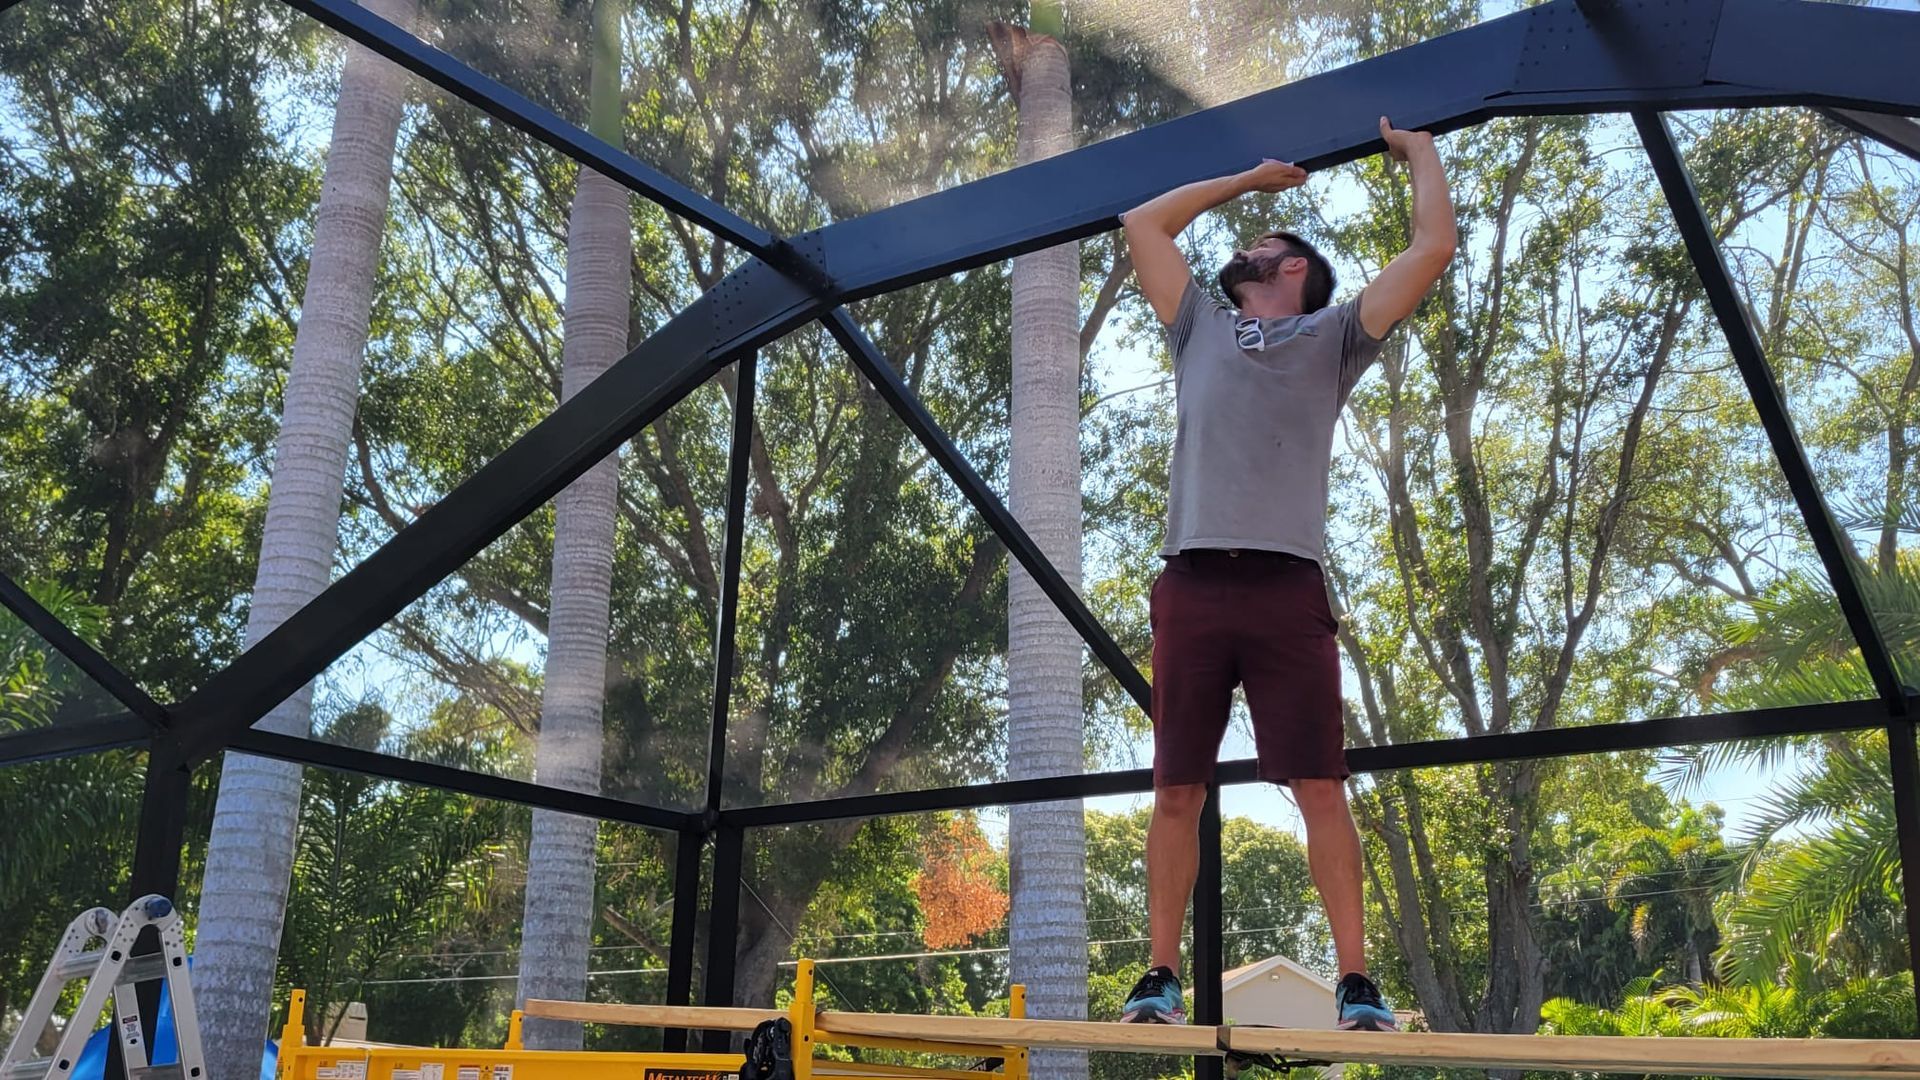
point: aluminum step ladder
(111, 971)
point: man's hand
(1397, 289)
(1151, 227)
(1271, 176)
(1399, 142)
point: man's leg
(1333, 857)
(1193, 679)
(1173, 863)
(1291, 666)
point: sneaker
(1156, 999)
(1361, 1007)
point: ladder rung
(157, 1072)
(136, 969)
(30, 1069)
(144, 968)
(80, 965)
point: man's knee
(1182, 802)
(1320, 797)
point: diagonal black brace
(1901, 133)
(84, 656)
(894, 390)
(509, 106)
(1836, 552)
(739, 457)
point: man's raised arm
(1151, 227)
(1397, 290)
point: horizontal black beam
(1514, 746)
(327, 755)
(509, 106)
(901, 398)
(1902, 133)
(1840, 55)
(1319, 121)
(73, 738)
(84, 656)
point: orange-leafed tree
(959, 884)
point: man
(1241, 600)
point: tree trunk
(557, 928)
(1045, 727)
(249, 858)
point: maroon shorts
(1255, 619)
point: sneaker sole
(1366, 1025)
(1145, 1017)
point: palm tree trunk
(250, 849)
(1045, 727)
(557, 928)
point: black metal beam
(1906, 816)
(1902, 133)
(509, 106)
(901, 398)
(84, 656)
(73, 738)
(155, 871)
(163, 824)
(739, 457)
(723, 929)
(1514, 746)
(686, 927)
(1835, 550)
(327, 755)
(1320, 121)
(1209, 933)
(1841, 55)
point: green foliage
(70, 821)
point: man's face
(1260, 263)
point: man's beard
(1245, 269)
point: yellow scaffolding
(300, 1061)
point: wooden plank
(1812, 1058)
(993, 1031)
(702, 1017)
(1738, 1057)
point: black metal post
(84, 656)
(739, 461)
(723, 928)
(1906, 816)
(894, 390)
(686, 917)
(156, 870)
(1209, 944)
(1836, 552)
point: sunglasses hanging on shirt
(1250, 335)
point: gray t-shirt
(1253, 446)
